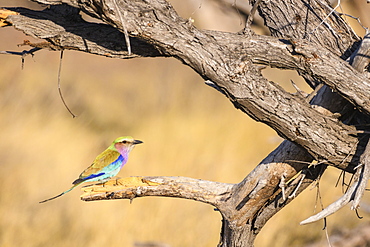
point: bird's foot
(117, 183)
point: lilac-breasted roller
(107, 164)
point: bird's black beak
(137, 142)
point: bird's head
(124, 144)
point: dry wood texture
(304, 38)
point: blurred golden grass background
(188, 129)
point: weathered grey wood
(362, 55)
(231, 62)
(132, 187)
(303, 22)
(354, 193)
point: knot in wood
(241, 68)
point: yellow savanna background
(188, 129)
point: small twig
(127, 38)
(314, 92)
(302, 175)
(249, 20)
(355, 132)
(312, 163)
(340, 175)
(318, 194)
(363, 178)
(196, 10)
(351, 16)
(23, 54)
(302, 93)
(349, 183)
(354, 193)
(59, 88)
(331, 12)
(327, 234)
(301, 179)
(358, 215)
(282, 185)
(332, 208)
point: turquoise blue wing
(98, 167)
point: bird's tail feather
(74, 186)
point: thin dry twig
(332, 208)
(59, 88)
(363, 178)
(323, 21)
(354, 193)
(249, 21)
(23, 54)
(301, 178)
(282, 185)
(300, 92)
(127, 37)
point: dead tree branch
(132, 187)
(318, 129)
(235, 73)
(362, 175)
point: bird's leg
(117, 178)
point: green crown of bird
(107, 164)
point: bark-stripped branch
(180, 187)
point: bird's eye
(124, 142)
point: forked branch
(360, 61)
(236, 73)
